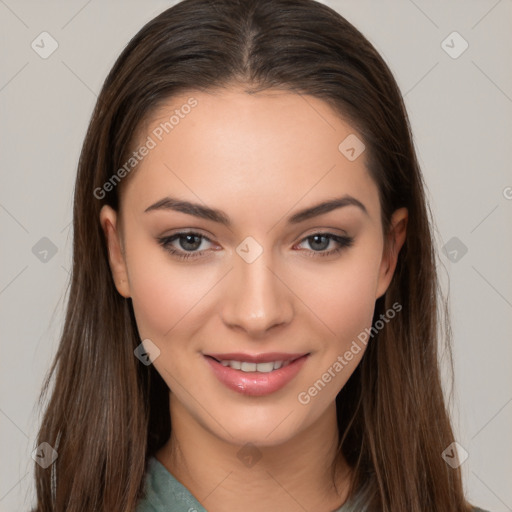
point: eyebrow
(204, 212)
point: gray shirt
(165, 494)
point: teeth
(248, 367)
(255, 367)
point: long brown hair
(108, 413)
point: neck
(293, 476)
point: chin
(258, 435)
(261, 427)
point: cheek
(342, 299)
(163, 293)
(345, 305)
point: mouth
(255, 375)
(263, 363)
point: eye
(315, 240)
(189, 241)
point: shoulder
(163, 492)
(477, 509)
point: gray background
(460, 110)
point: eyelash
(344, 241)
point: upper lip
(257, 358)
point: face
(243, 276)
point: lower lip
(256, 383)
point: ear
(395, 240)
(109, 220)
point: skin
(259, 158)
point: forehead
(231, 147)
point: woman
(214, 356)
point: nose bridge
(257, 299)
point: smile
(255, 367)
(256, 375)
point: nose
(256, 298)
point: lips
(256, 383)
(259, 358)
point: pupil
(194, 245)
(316, 237)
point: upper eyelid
(319, 231)
(315, 231)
